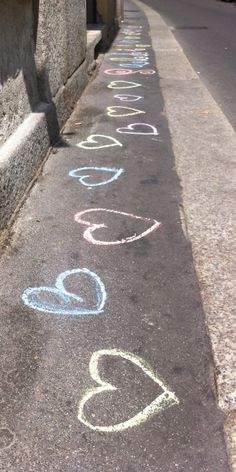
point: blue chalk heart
(79, 174)
(62, 300)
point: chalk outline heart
(130, 127)
(116, 174)
(123, 97)
(162, 402)
(111, 111)
(93, 226)
(137, 65)
(92, 139)
(68, 296)
(124, 72)
(134, 85)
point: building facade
(47, 50)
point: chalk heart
(118, 112)
(58, 301)
(123, 84)
(84, 174)
(139, 128)
(99, 141)
(163, 401)
(124, 72)
(151, 225)
(128, 98)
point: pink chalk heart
(150, 224)
(139, 128)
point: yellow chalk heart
(165, 400)
(115, 111)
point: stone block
(61, 43)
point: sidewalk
(106, 361)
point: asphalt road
(126, 312)
(206, 30)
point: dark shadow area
(97, 19)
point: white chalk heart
(165, 400)
(92, 142)
(116, 111)
(123, 84)
(128, 98)
(133, 129)
(153, 225)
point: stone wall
(42, 44)
(61, 43)
(46, 56)
(18, 81)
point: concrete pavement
(115, 307)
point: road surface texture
(206, 31)
(106, 363)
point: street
(106, 357)
(206, 31)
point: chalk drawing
(134, 65)
(84, 173)
(125, 49)
(88, 234)
(41, 298)
(128, 41)
(119, 112)
(135, 55)
(130, 129)
(128, 98)
(123, 84)
(165, 400)
(131, 33)
(129, 71)
(132, 59)
(92, 142)
(133, 37)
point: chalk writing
(154, 225)
(129, 71)
(92, 142)
(84, 173)
(165, 400)
(132, 59)
(131, 33)
(118, 112)
(134, 128)
(123, 84)
(128, 41)
(125, 49)
(57, 300)
(128, 98)
(133, 54)
(133, 37)
(133, 45)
